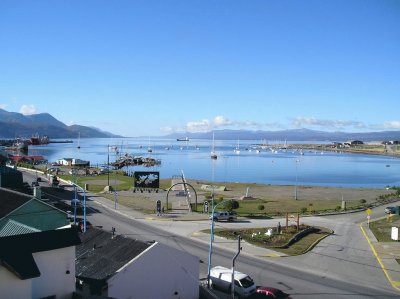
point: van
(221, 278)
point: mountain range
(13, 124)
(291, 135)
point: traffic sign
(369, 211)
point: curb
(394, 284)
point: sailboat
(79, 140)
(237, 148)
(149, 149)
(213, 153)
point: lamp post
(84, 204)
(115, 186)
(108, 165)
(212, 234)
(295, 187)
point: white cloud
(3, 106)
(27, 109)
(221, 121)
(326, 123)
(394, 124)
(199, 126)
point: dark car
(273, 293)
(35, 184)
(390, 210)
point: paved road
(341, 266)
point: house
(28, 159)
(37, 249)
(73, 162)
(65, 161)
(353, 142)
(22, 213)
(38, 264)
(119, 267)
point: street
(340, 266)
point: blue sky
(149, 68)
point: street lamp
(212, 233)
(84, 204)
(108, 165)
(295, 187)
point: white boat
(237, 148)
(149, 149)
(79, 140)
(213, 153)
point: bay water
(269, 165)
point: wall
(54, 280)
(160, 272)
(11, 287)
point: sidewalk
(386, 254)
(231, 245)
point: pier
(136, 160)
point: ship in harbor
(39, 140)
(183, 139)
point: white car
(224, 215)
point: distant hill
(290, 135)
(14, 124)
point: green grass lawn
(277, 242)
(382, 228)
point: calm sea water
(266, 167)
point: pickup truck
(224, 215)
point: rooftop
(100, 255)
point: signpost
(369, 212)
(206, 207)
(158, 207)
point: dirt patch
(103, 182)
(277, 192)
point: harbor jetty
(134, 160)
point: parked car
(390, 210)
(224, 215)
(76, 202)
(272, 293)
(221, 278)
(35, 184)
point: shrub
(303, 210)
(231, 205)
(260, 207)
(363, 200)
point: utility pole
(233, 268)
(108, 165)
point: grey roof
(99, 256)
(16, 251)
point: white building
(38, 265)
(73, 162)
